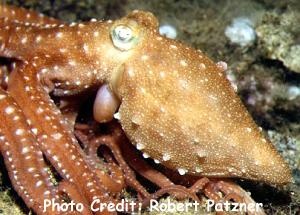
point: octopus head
(177, 107)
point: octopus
(170, 101)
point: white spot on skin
(162, 109)
(198, 169)
(142, 90)
(140, 146)
(117, 116)
(44, 70)
(9, 110)
(57, 136)
(96, 34)
(27, 88)
(73, 24)
(39, 183)
(62, 50)
(162, 74)
(166, 157)
(145, 57)
(213, 97)
(25, 150)
(72, 63)
(202, 66)
(31, 169)
(40, 110)
(56, 68)
(201, 154)
(145, 155)
(47, 192)
(34, 130)
(38, 39)
(24, 40)
(85, 48)
(183, 63)
(59, 35)
(19, 131)
(136, 119)
(44, 136)
(130, 73)
(183, 84)
(182, 171)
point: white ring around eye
(123, 37)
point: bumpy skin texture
(176, 104)
(178, 107)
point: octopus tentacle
(128, 173)
(214, 189)
(72, 191)
(171, 189)
(69, 108)
(114, 181)
(3, 77)
(210, 188)
(113, 142)
(27, 172)
(140, 166)
(71, 54)
(199, 185)
(26, 16)
(54, 137)
(211, 193)
(235, 192)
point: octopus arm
(22, 15)
(52, 131)
(28, 172)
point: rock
(278, 38)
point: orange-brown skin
(176, 104)
(178, 108)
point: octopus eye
(123, 37)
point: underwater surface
(259, 41)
